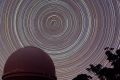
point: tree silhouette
(105, 73)
(83, 77)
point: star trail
(73, 32)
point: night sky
(73, 32)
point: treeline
(104, 73)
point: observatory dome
(29, 62)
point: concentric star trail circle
(73, 32)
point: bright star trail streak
(73, 32)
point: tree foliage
(105, 73)
(83, 77)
